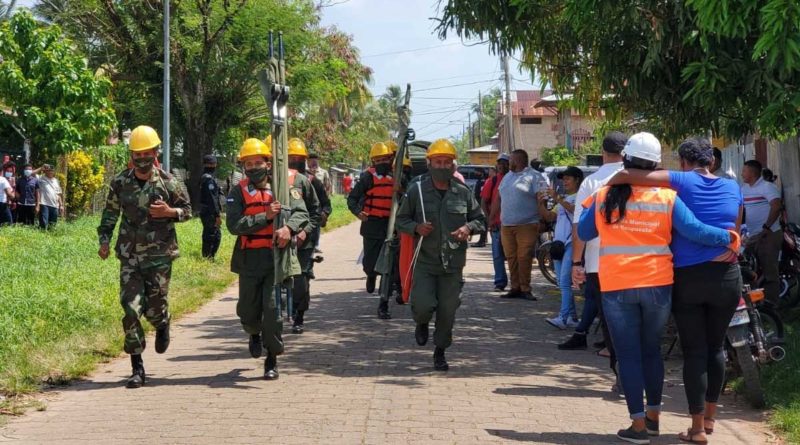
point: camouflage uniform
(256, 306)
(145, 247)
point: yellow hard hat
(406, 162)
(392, 145)
(254, 147)
(441, 147)
(144, 138)
(268, 141)
(297, 148)
(379, 149)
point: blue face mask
(8, 174)
(27, 173)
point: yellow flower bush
(84, 180)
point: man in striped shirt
(762, 207)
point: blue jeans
(636, 319)
(563, 269)
(48, 216)
(499, 260)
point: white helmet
(643, 146)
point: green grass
(59, 304)
(341, 216)
(782, 383)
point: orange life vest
(634, 252)
(254, 204)
(379, 197)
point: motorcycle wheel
(771, 323)
(751, 376)
(546, 265)
(790, 294)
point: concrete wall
(533, 137)
(788, 171)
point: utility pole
(480, 120)
(469, 125)
(509, 112)
(165, 123)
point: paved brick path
(355, 379)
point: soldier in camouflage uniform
(150, 202)
(249, 214)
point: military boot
(421, 333)
(162, 338)
(255, 345)
(297, 326)
(439, 362)
(137, 378)
(371, 279)
(383, 311)
(271, 367)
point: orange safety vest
(634, 252)
(255, 203)
(379, 197)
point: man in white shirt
(585, 266)
(716, 167)
(6, 196)
(51, 202)
(762, 209)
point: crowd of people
(31, 198)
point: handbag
(557, 250)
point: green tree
(55, 100)
(217, 47)
(6, 8)
(488, 110)
(691, 65)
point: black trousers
(212, 236)
(704, 299)
(26, 215)
(301, 291)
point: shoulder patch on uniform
(296, 194)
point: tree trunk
(197, 143)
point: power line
(456, 85)
(412, 82)
(412, 50)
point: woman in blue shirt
(707, 279)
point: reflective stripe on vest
(379, 198)
(254, 204)
(634, 252)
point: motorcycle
(754, 339)
(542, 250)
(788, 268)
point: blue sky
(396, 39)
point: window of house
(531, 120)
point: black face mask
(383, 169)
(144, 165)
(257, 175)
(441, 174)
(300, 166)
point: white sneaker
(556, 322)
(572, 323)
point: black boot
(255, 345)
(439, 362)
(421, 333)
(383, 311)
(271, 367)
(576, 342)
(371, 279)
(137, 378)
(162, 338)
(297, 326)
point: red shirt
(347, 183)
(488, 193)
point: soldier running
(251, 209)
(150, 202)
(443, 213)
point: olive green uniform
(256, 306)
(301, 295)
(145, 248)
(438, 273)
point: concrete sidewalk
(353, 379)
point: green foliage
(61, 326)
(84, 179)
(687, 66)
(341, 216)
(782, 385)
(560, 156)
(114, 158)
(488, 109)
(56, 101)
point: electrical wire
(427, 48)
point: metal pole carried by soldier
(319, 208)
(250, 211)
(371, 201)
(150, 202)
(210, 207)
(442, 213)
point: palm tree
(6, 8)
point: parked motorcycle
(788, 269)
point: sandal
(603, 353)
(707, 421)
(689, 436)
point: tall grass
(59, 303)
(340, 216)
(782, 383)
